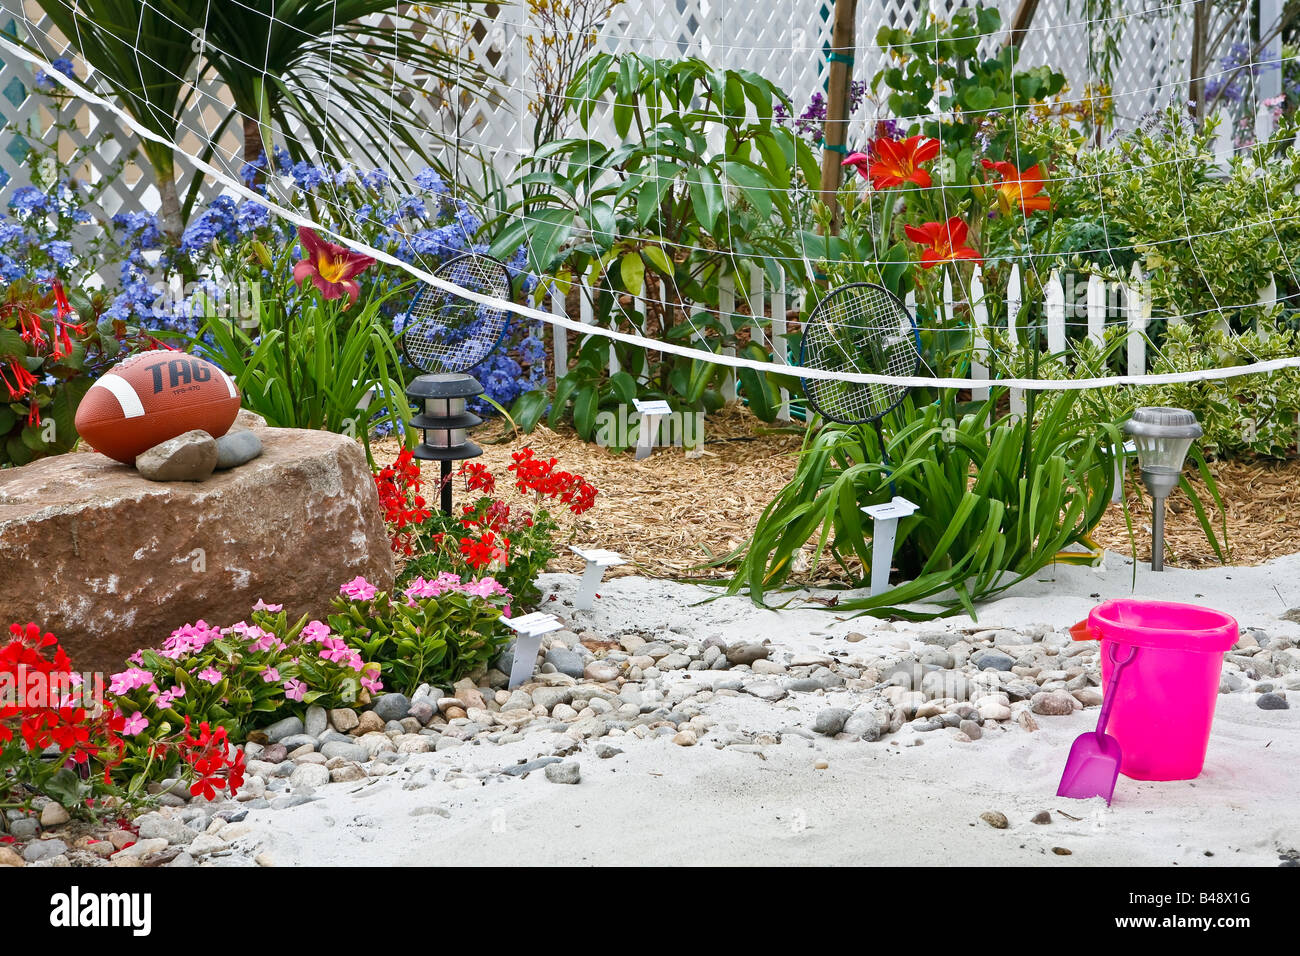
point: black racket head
(446, 332)
(859, 327)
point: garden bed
(669, 513)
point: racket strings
(861, 328)
(446, 332)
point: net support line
(906, 381)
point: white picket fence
(1091, 311)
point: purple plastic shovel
(1093, 765)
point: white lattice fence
(785, 40)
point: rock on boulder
(110, 561)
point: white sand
(887, 802)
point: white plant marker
(650, 412)
(598, 559)
(884, 529)
(529, 629)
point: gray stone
(317, 721)
(746, 653)
(971, 728)
(24, 829)
(604, 751)
(44, 850)
(945, 683)
(1053, 704)
(392, 707)
(309, 775)
(565, 772)
(548, 697)
(283, 728)
(152, 826)
(519, 769)
(566, 661)
(988, 659)
(766, 690)
(295, 741)
(292, 800)
(234, 448)
(422, 710)
(1272, 701)
(191, 456)
(831, 721)
(867, 724)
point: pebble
(53, 815)
(235, 448)
(1272, 701)
(316, 722)
(308, 775)
(685, 738)
(283, 728)
(995, 818)
(343, 719)
(1041, 817)
(47, 849)
(987, 659)
(831, 721)
(1053, 704)
(566, 771)
(566, 661)
(190, 456)
(746, 653)
(392, 707)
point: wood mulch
(672, 514)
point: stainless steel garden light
(1162, 436)
(444, 420)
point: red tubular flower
(1018, 188)
(895, 162)
(62, 341)
(22, 380)
(331, 268)
(945, 242)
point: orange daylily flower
(945, 242)
(1020, 188)
(894, 162)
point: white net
(648, 168)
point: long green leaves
(314, 366)
(994, 508)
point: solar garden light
(598, 559)
(1162, 436)
(884, 529)
(445, 421)
(529, 628)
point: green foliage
(938, 73)
(997, 503)
(314, 360)
(1209, 242)
(424, 640)
(699, 189)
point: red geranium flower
(945, 242)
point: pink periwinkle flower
(371, 682)
(295, 689)
(270, 675)
(128, 680)
(263, 606)
(314, 632)
(358, 589)
(136, 723)
(209, 674)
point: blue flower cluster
(46, 82)
(423, 224)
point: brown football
(152, 397)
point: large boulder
(110, 561)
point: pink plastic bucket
(1162, 714)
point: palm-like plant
(325, 69)
(146, 60)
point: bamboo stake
(835, 130)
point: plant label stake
(884, 529)
(529, 628)
(650, 412)
(598, 559)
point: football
(152, 397)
